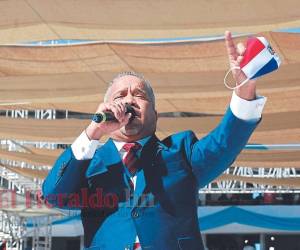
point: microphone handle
(108, 116)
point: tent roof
(185, 76)
(35, 20)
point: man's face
(130, 89)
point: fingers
(231, 49)
(238, 60)
(118, 110)
(241, 49)
(235, 53)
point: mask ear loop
(237, 86)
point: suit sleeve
(65, 181)
(214, 153)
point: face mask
(259, 59)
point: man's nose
(129, 99)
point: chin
(131, 130)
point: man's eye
(117, 97)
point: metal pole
(262, 241)
(81, 243)
(204, 240)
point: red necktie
(131, 162)
(131, 159)
(137, 246)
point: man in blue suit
(146, 198)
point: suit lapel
(106, 157)
(148, 156)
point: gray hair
(146, 83)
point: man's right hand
(96, 130)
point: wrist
(247, 91)
(93, 131)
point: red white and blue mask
(259, 59)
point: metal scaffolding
(16, 213)
(236, 186)
(36, 114)
(42, 242)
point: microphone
(109, 116)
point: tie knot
(134, 146)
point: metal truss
(36, 114)
(22, 164)
(42, 242)
(17, 182)
(235, 186)
(24, 146)
(16, 196)
(12, 230)
(263, 172)
(13, 225)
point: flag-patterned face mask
(259, 59)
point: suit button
(62, 169)
(135, 214)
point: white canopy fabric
(34, 20)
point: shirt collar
(119, 144)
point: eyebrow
(139, 90)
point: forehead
(124, 82)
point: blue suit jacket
(163, 209)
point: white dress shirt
(119, 145)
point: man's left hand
(235, 56)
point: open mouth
(134, 116)
(131, 119)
